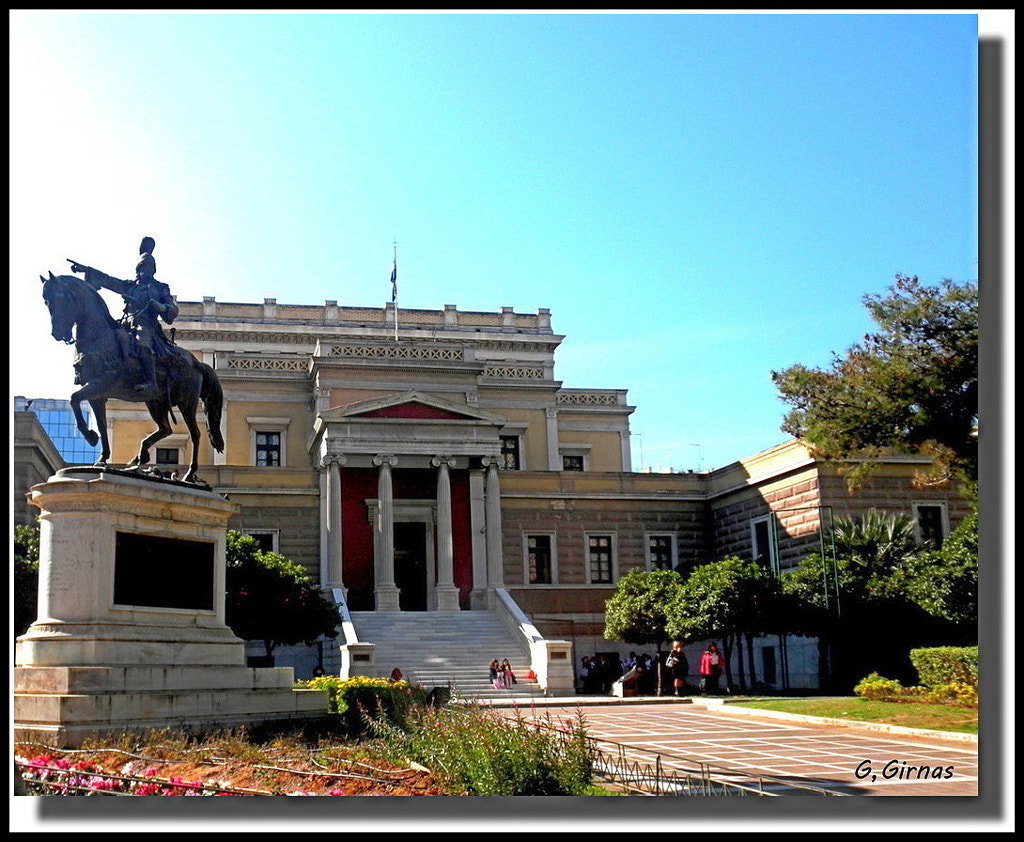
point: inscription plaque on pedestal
(159, 572)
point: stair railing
(356, 658)
(550, 660)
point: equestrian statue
(131, 359)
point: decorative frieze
(515, 372)
(594, 398)
(188, 336)
(266, 364)
(396, 352)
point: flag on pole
(394, 280)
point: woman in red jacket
(711, 664)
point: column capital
(491, 462)
(438, 461)
(328, 459)
(382, 459)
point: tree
(270, 598)
(910, 387)
(730, 599)
(26, 577)
(635, 613)
(861, 604)
(877, 541)
(944, 582)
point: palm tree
(877, 541)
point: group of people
(502, 677)
(596, 674)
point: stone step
(451, 648)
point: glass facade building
(58, 419)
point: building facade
(425, 460)
(35, 459)
(58, 419)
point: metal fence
(637, 771)
(642, 776)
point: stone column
(495, 573)
(331, 576)
(447, 593)
(478, 539)
(386, 590)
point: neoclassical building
(429, 462)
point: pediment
(411, 406)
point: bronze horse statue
(107, 366)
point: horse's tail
(213, 401)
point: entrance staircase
(446, 649)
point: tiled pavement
(847, 759)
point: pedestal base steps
(63, 706)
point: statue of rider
(146, 301)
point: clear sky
(698, 199)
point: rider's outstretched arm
(98, 279)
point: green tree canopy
(270, 598)
(882, 595)
(26, 577)
(723, 598)
(910, 387)
(944, 582)
(868, 549)
(636, 612)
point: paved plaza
(741, 747)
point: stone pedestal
(130, 633)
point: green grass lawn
(908, 714)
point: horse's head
(60, 302)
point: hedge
(943, 665)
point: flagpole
(394, 286)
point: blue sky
(698, 199)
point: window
(268, 441)
(540, 560)
(931, 524)
(266, 539)
(575, 457)
(510, 460)
(764, 542)
(600, 559)
(167, 456)
(661, 551)
(268, 450)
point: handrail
(348, 629)
(550, 660)
(526, 627)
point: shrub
(482, 752)
(946, 665)
(361, 696)
(875, 688)
(953, 694)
